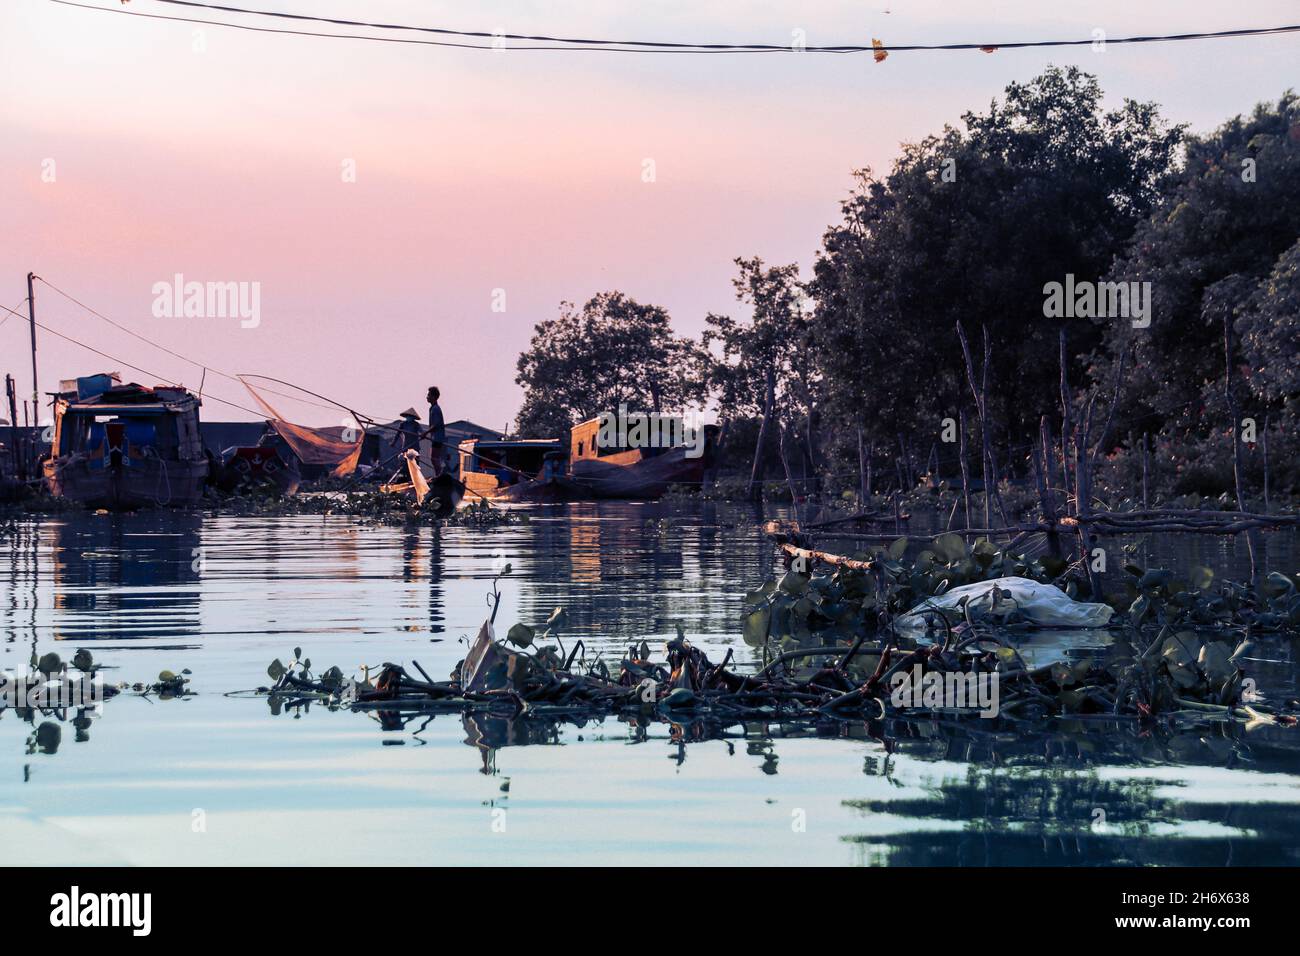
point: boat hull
(483, 485)
(645, 478)
(258, 467)
(145, 483)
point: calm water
(215, 779)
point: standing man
(437, 430)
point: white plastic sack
(1042, 605)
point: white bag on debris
(1042, 605)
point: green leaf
(984, 552)
(521, 635)
(1201, 577)
(950, 546)
(792, 582)
(897, 549)
(1215, 661)
(1180, 654)
(1277, 584)
(756, 625)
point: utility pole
(31, 314)
(19, 462)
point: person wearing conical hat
(410, 430)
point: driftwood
(811, 556)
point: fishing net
(313, 446)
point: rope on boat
(163, 476)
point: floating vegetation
(375, 506)
(71, 692)
(833, 647)
(870, 589)
(38, 501)
(54, 672)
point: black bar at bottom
(337, 904)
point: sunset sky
(478, 171)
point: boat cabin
(634, 456)
(130, 420)
(121, 445)
(626, 439)
(489, 466)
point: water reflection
(969, 792)
(225, 595)
(82, 578)
(622, 570)
(1126, 795)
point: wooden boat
(515, 470)
(125, 446)
(257, 467)
(621, 472)
(444, 492)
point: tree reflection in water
(996, 793)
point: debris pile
(831, 651)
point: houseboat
(608, 462)
(125, 446)
(515, 470)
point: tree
(1216, 247)
(775, 338)
(773, 344)
(969, 226)
(1270, 335)
(613, 351)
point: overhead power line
(12, 312)
(142, 371)
(543, 42)
(163, 348)
(239, 379)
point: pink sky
(479, 171)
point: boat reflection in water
(125, 577)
